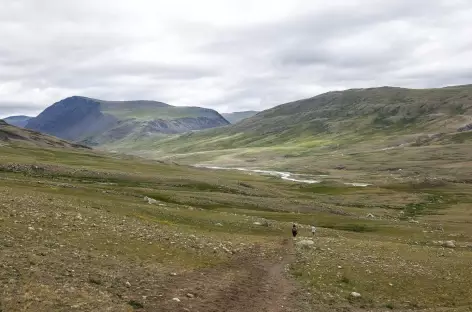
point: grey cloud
(11, 109)
(91, 48)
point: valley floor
(85, 231)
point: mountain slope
(99, 122)
(19, 121)
(14, 135)
(236, 117)
(356, 114)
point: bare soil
(251, 282)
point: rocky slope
(99, 122)
(19, 121)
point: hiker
(313, 230)
(294, 230)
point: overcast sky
(229, 55)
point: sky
(229, 55)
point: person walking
(313, 230)
(294, 230)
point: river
(284, 175)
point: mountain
(350, 121)
(19, 121)
(97, 122)
(14, 135)
(236, 117)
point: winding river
(288, 176)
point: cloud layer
(225, 54)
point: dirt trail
(250, 283)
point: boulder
(449, 244)
(306, 243)
(150, 200)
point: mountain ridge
(96, 122)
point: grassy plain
(78, 235)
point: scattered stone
(191, 296)
(355, 295)
(31, 228)
(257, 223)
(78, 217)
(371, 216)
(176, 299)
(173, 274)
(219, 224)
(340, 267)
(128, 284)
(449, 244)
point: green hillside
(361, 113)
(364, 130)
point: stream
(287, 176)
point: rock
(371, 216)
(128, 284)
(355, 295)
(150, 200)
(219, 224)
(449, 244)
(191, 296)
(176, 299)
(257, 223)
(340, 267)
(31, 228)
(306, 243)
(78, 217)
(173, 274)
(465, 128)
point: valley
(201, 221)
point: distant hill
(97, 122)
(387, 115)
(19, 121)
(238, 116)
(14, 135)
